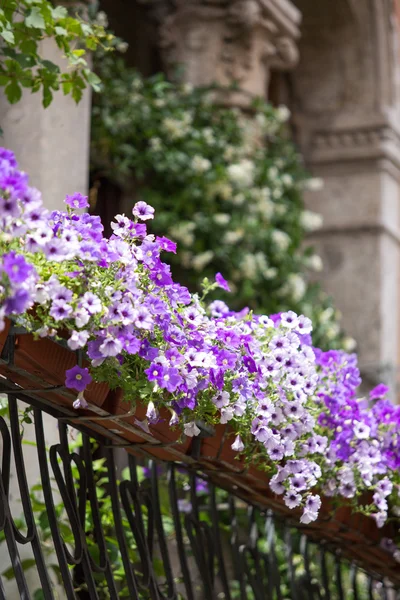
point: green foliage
(25, 25)
(227, 187)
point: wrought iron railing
(101, 524)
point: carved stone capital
(231, 43)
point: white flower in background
(238, 199)
(187, 88)
(137, 84)
(221, 218)
(242, 173)
(271, 273)
(208, 135)
(200, 164)
(332, 331)
(287, 179)
(311, 221)
(326, 315)
(183, 232)
(315, 184)
(229, 152)
(122, 47)
(155, 144)
(232, 237)
(101, 19)
(177, 128)
(201, 260)
(261, 120)
(261, 261)
(277, 193)
(273, 173)
(248, 266)
(280, 209)
(266, 208)
(159, 102)
(314, 263)
(222, 189)
(349, 344)
(283, 113)
(280, 239)
(295, 286)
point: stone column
(346, 114)
(231, 43)
(52, 144)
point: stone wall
(344, 96)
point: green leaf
(50, 66)
(26, 564)
(28, 46)
(60, 31)
(35, 19)
(7, 36)
(93, 80)
(47, 96)
(79, 52)
(77, 93)
(25, 60)
(66, 87)
(39, 595)
(60, 12)
(13, 92)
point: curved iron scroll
(151, 532)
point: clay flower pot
(41, 364)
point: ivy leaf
(77, 93)
(28, 46)
(47, 96)
(13, 92)
(8, 36)
(35, 19)
(66, 87)
(50, 66)
(60, 12)
(25, 60)
(61, 31)
(93, 80)
(26, 564)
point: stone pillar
(346, 113)
(231, 43)
(52, 144)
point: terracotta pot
(42, 364)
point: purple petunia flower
(143, 211)
(16, 267)
(379, 391)
(77, 378)
(80, 402)
(60, 310)
(222, 283)
(77, 200)
(166, 244)
(17, 303)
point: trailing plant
(293, 408)
(24, 26)
(227, 187)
